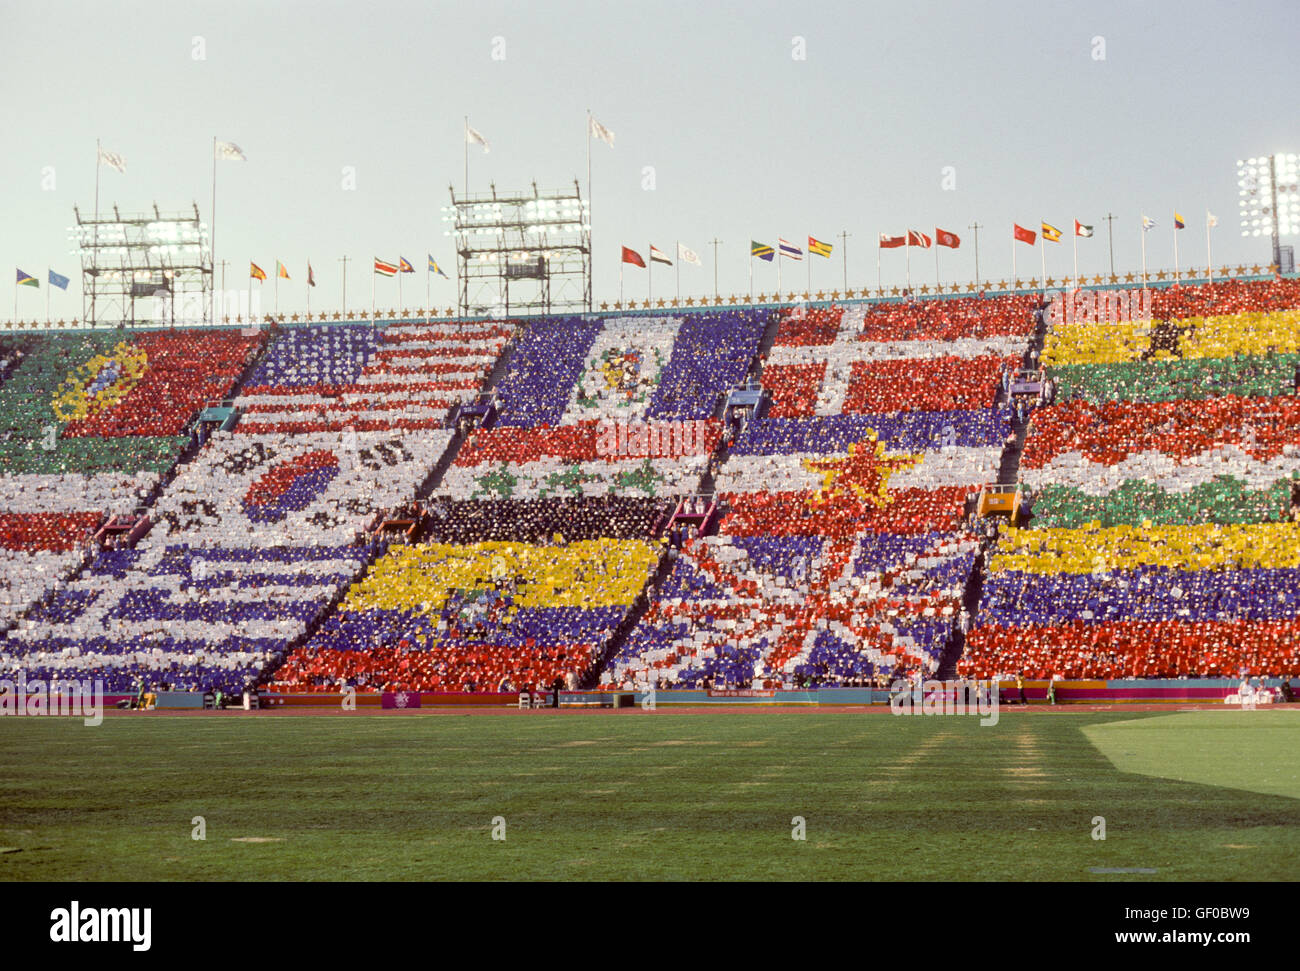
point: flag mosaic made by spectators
(738, 608)
(404, 376)
(442, 614)
(90, 423)
(186, 615)
(569, 370)
(268, 489)
(587, 458)
(1225, 460)
(907, 473)
(74, 392)
(1156, 600)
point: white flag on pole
(1211, 219)
(688, 255)
(230, 152)
(113, 160)
(473, 137)
(600, 131)
(1147, 223)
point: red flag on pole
(944, 238)
(1024, 235)
(891, 242)
(633, 257)
(918, 239)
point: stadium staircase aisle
(591, 678)
(1008, 474)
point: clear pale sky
(745, 139)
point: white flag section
(659, 256)
(1211, 219)
(688, 255)
(621, 372)
(1147, 223)
(473, 137)
(600, 131)
(230, 152)
(113, 160)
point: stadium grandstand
(761, 498)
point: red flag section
(1025, 235)
(944, 238)
(633, 257)
(918, 239)
(891, 242)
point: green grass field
(1196, 796)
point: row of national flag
(684, 253)
(1053, 235)
(941, 238)
(255, 272)
(56, 280)
(789, 250)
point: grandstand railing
(821, 297)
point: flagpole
(1042, 245)
(778, 269)
(715, 274)
(1013, 259)
(372, 296)
(1175, 254)
(844, 252)
(1209, 263)
(649, 275)
(277, 289)
(936, 258)
(620, 282)
(878, 285)
(809, 262)
(591, 250)
(909, 261)
(1074, 241)
(466, 140)
(47, 296)
(427, 298)
(309, 291)
(1144, 253)
(677, 267)
(212, 237)
(399, 284)
(95, 261)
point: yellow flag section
(588, 574)
(1211, 546)
(1190, 337)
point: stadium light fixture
(1269, 193)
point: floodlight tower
(1269, 191)
(521, 253)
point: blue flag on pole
(58, 280)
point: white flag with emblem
(230, 152)
(113, 160)
(688, 255)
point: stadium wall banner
(400, 700)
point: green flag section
(1223, 500)
(1249, 750)
(94, 402)
(1192, 379)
